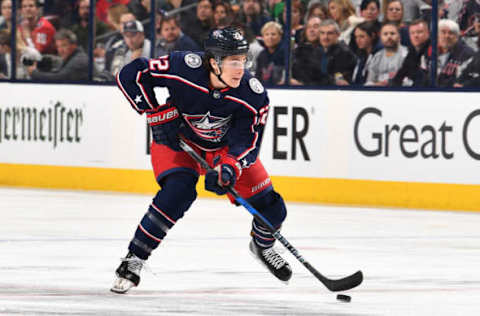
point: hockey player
(217, 107)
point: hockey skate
(128, 274)
(272, 260)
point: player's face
(419, 34)
(29, 9)
(362, 39)
(371, 12)
(7, 9)
(233, 68)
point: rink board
(398, 149)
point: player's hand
(218, 179)
(165, 125)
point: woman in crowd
(271, 61)
(343, 12)
(318, 9)
(223, 15)
(393, 13)
(367, 43)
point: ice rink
(59, 250)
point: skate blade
(122, 286)
(265, 266)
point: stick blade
(343, 284)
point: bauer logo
(376, 136)
(53, 125)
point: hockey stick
(333, 285)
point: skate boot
(128, 274)
(272, 260)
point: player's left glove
(165, 124)
(223, 175)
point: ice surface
(59, 250)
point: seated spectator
(343, 13)
(296, 20)
(387, 61)
(252, 14)
(172, 38)
(223, 15)
(393, 13)
(338, 61)
(6, 15)
(316, 8)
(370, 11)
(115, 41)
(74, 60)
(468, 74)
(271, 60)
(368, 44)
(203, 23)
(452, 52)
(134, 45)
(81, 28)
(307, 56)
(410, 70)
(36, 31)
(468, 15)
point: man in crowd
(81, 28)
(201, 26)
(135, 45)
(338, 61)
(387, 61)
(172, 38)
(409, 73)
(74, 60)
(452, 52)
(36, 31)
(253, 16)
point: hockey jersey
(233, 117)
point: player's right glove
(165, 124)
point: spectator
(367, 44)
(410, 70)
(199, 29)
(253, 16)
(36, 31)
(134, 45)
(116, 41)
(393, 13)
(469, 72)
(370, 10)
(387, 61)
(223, 15)
(102, 7)
(307, 56)
(452, 52)
(5, 59)
(81, 28)
(6, 15)
(468, 15)
(271, 61)
(343, 12)
(172, 38)
(338, 61)
(296, 20)
(74, 60)
(141, 10)
(316, 9)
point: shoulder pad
(256, 85)
(193, 60)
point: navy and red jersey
(212, 119)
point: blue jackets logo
(208, 127)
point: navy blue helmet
(226, 42)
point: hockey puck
(344, 298)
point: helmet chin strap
(219, 75)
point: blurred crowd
(331, 42)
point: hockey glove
(224, 175)
(165, 124)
